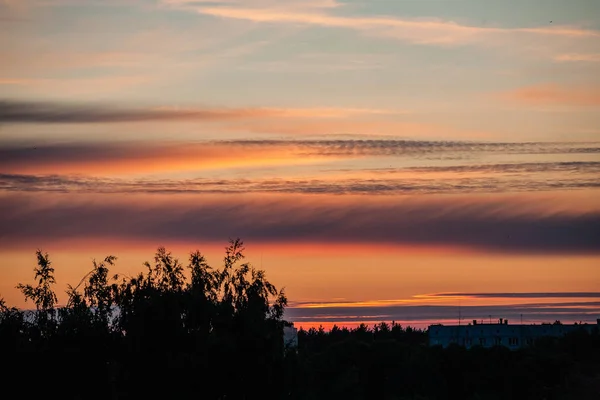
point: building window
(497, 341)
(513, 341)
(482, 341)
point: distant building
(499, 333)
(290, 337)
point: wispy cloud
(499, 225)
(531, 295)
(286, 4)
(422, 31)
(467, 299)
(522, 167)
(365, 126)
(553, 94)
(578, 57)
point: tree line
(215, 335)
(194, 332)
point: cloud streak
(502, 225)
(368, 185)
(552, 94)
(516, 167)
(134, 157)
(531, 295)
(430, 31)
(12, 111)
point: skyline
(373, 156)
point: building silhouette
(500, 333)
(290, 336)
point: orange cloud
(137, 158)
(553, 94)
(575, 57)
(126, 158)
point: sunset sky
(381, 160)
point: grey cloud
(492, 226)
(394, 147)
(53, 183)
(68, 153)
(524, 167)
(12, 111)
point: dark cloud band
(542, 312)
(67, 113)
(500, 225)
(371, 186)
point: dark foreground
(218, 335)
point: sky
(416, 161)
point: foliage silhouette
(194, 332)
(216, 335)
(42, 294)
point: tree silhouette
(42, 294)
(191, 331)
